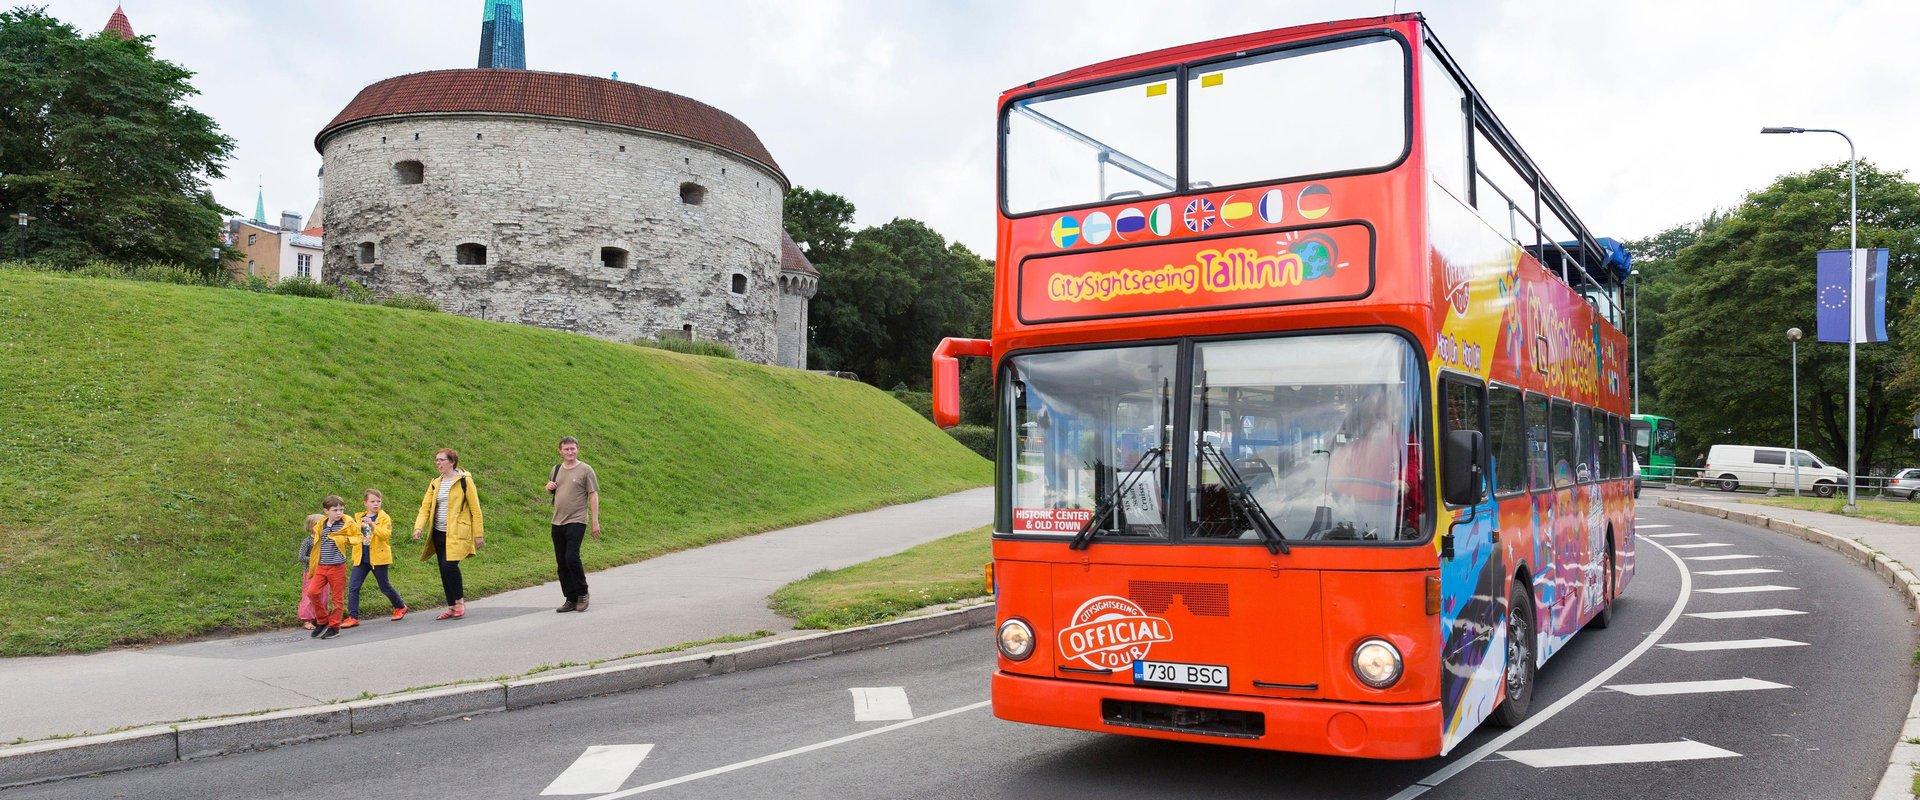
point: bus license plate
(1186, 676)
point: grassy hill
(160, 446)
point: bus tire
(1605, 617)
(1728, 483)
(1823, 489)
(1516, 690)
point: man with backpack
(576, 509)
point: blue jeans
(359, 576)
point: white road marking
(1748, 614)
(1683, 750)
(1734, 644)
(602, 768)
(879, 704)
(1718, 558)
(1447, 772)
(1651, 527)
(1750, 589)
(1696, 687)
(754, 762)
(1745, 571)
(1669, 535)
(1701, 546)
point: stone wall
(544, 196)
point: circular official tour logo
(1112, 632)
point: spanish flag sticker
(1156, 89)
(1212, 80)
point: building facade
(565, 201)
(275, 252)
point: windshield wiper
(1107, 503)
(1242, 499)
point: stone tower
(798, 282)
(503, 39)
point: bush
(978, 438)
(354, 291)
(254, 283)
(698, 347)
(303, 287)
(410, 302)
(920, 402)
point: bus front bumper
(1361, 730)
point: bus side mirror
(1460, 468)
(946, 376)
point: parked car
(1905, 483)
(1731, 466)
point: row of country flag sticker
(1199, 216)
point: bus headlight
(1016, 639)
(1376, 663)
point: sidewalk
(1899, 542)
(688, 596)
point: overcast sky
(1644, 114)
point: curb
(1897, 782)
(59, 759)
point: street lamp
(1635, 275)
(1793, 347)
(483, 309)
(1853, 294)
(23, 217)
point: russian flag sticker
(1131, 220)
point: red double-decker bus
(1311, 422)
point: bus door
(1472, 572)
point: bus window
(1507, 439)
(1444, 124)
(1320, 430)
(1088, 425)
(1091, 144)
(1603, 445)
(1562, 450)
(1585, 467)
(1243, 116)
(1663, 439)
(1539, 465)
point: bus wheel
(1605, 617)
(1823, 489)
(1728, 483)
(1517, 688)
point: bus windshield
(1321, 431)
(1305, 110)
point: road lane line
(1696, 687)
(1750, 589)
(1748, 614)
(880, 704)
(602, 768)
(752, 762)
(1719, 558)
(1745, 571)
(1734, 644)
(1651, 527)
(1460, 765)
(1701, 546)
(1669, 535)
(1683, 750)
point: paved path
(1899, 542)
(908, 720)
(682, 597)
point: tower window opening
(366, 252)
(408, 173)
(739, 283)
(693, 194)
(613, 258)
(470, 253)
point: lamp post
(1635, 275)
(483, 309)
(1853, 295)
(21, 247)
(1793, 347)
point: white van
(1731, 466)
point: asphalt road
(1816, 719)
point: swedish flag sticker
(1066, 231)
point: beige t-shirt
(570, 496)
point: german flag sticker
(1314, 201)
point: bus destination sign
(1273, 268)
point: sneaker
(332, 631)
(350, 622)
(581, 604)
(399, 613)
(570, 605)
(315, 630)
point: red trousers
(324, 580)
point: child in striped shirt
(326, 555)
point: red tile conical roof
(118, 24)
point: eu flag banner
(1837, 287)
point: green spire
(260, 207)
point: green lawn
(940, 571)
(1897, 511)
(160, 446)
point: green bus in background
(1653, 446)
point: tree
(98, 144)
(1653, 260)
(1721, 362)
(820, 222)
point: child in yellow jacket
(326, 554)
(372, 543)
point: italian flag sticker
(1160, 220)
